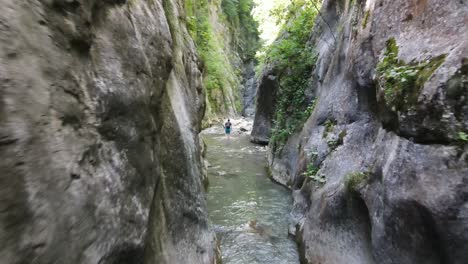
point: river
(247, 210)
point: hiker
(227, 127)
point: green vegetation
(243, 26)
(311, 173)
(355, 180)
(310, 108)
(329, 127)
(333, 144)
(264, 14)
(366, 19)
(220, 76)
(462, 136)
(400, 81)
(294, 61)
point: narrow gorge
(112, 148)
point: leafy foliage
(294, 61)
(463, 136)
(311, 173)
(243, 26)
(264, 14)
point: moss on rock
(366, 19)
(355, 180)
(401, 82)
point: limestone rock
(100, 109)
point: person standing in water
(227, 128)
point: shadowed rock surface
(100, 109)
(249, 90)
(265, 108)
(396, 176)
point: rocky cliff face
(266, 101)
(100, 108)
(226, 38)
(249, 90)
(384, 150)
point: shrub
(311, 173)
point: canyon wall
(226, 38)
(101, 104)
(380, 167)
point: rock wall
(266, 100)
(226, 37)
(249, 90)
(100, 108)
(394, 173)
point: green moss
(329, 127)
(366, 19)
(355, 180)
(402, 81)
(220, 78)
(269, 172)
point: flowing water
(249, 212)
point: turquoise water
(239, 192)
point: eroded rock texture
(100, 109)
(396, 186)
